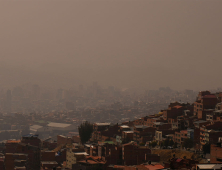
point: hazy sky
(147, 44)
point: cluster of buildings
(126, 145)
(32, 98)
(183, 125)
(200, 122)
(30, 108)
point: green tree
(153, 144)
(188, 143)
(142, 144)
(85, 131)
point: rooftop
(13, 141)
(154, 167)
(49, 162)
(30, 135)
(128, 131)
(141, 126)
(124, 126)
(80, 153)
(35, 127)
(177, 106)
(102, 124)
(209, 96)
(200, 121)
(209, 166)
(158, 123)
(61, 125)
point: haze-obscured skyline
(145, 44)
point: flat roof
(209, 166)
(124, 126)
(35, 127)
(81, 153)
(49, 162)
(200, 121)
(158, 123)
(61, 125)
(141, 126)
(218, 111)
(102, 124)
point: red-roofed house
(178, 163)
(93, 162)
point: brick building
(110, 153)
(142, 135)
(216, 153)
(180, 136)
(151, 119)
(205, 100)
(50, 145)
(49, 165)
(47, 156)
(101, 126)
(133, 154)
(202, 114)
(63, 140)
(214, 115)
(13, 160)
(127, 136)
(74, 155)
(139, 121)
(210, 133)
(103, 131)
(33, 153)
(31, 140)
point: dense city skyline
(110, 84)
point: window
(219, 159)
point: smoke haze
(145, 44)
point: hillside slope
(166, 154)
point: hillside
(166, 154)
